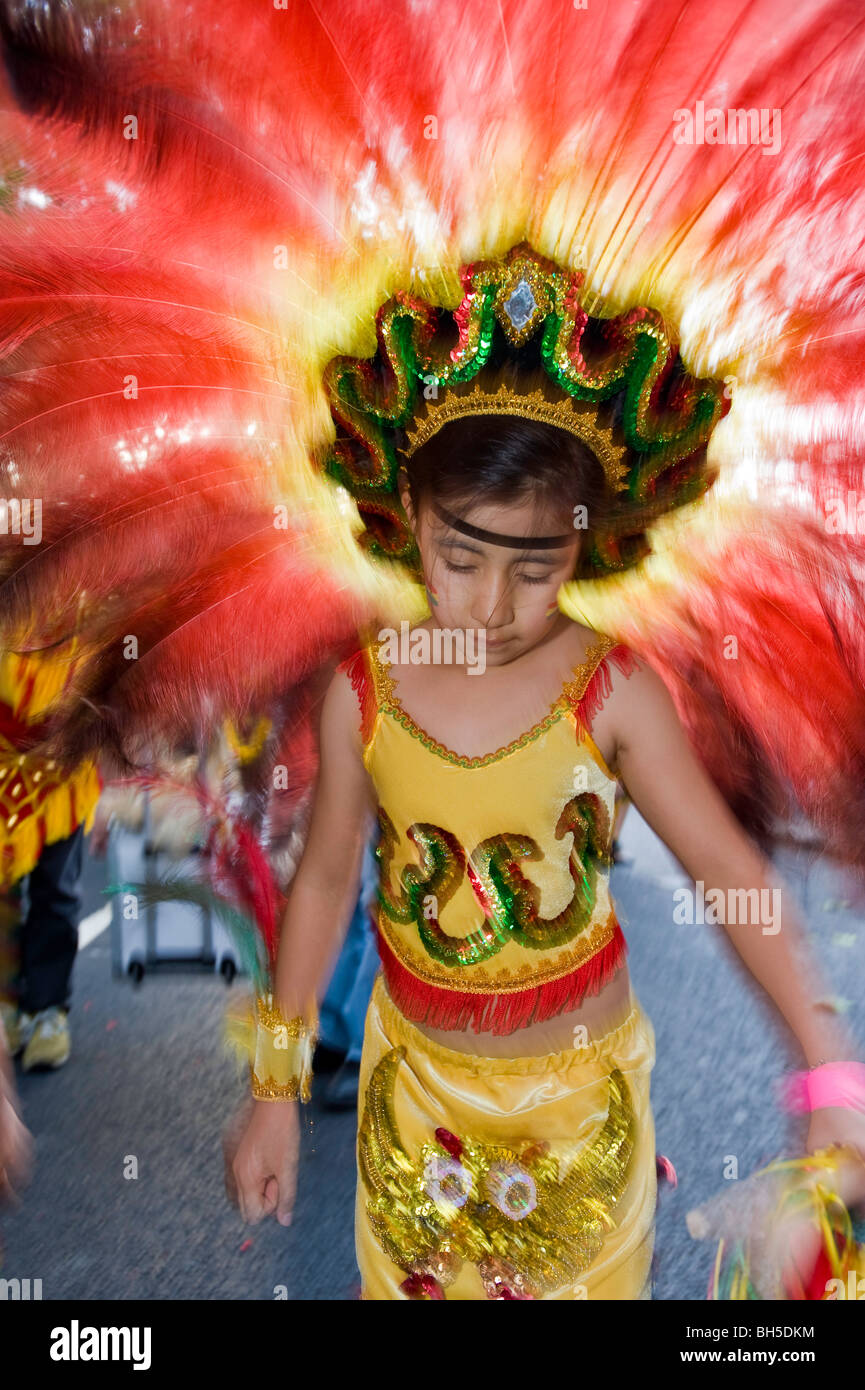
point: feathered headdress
(524, 309)
(207, 229)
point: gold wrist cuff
(282, 1065)
(277, 1050)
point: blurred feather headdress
(210, 231)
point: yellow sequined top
(493, 905)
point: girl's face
(506, 590)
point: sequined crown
(579, 418)
(617, 383)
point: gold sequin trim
(505, 981)
(270, 1017)
(579, 418)
(296, 1089)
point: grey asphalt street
(127, 1197)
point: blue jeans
(343, 1010)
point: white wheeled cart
(163, 935)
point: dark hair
(507, 458)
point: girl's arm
(676, 796)
(325, 887)
(261, 1171)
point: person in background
(45, 812)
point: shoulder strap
(382, 680)
(592, 683)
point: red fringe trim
(498, 1013)
(600, 685)
(355, 667)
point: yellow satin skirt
(504, 1178)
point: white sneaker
(48, 1041)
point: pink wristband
(833, 1083)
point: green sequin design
(438, 876)
(510, 901)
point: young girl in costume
(506, 1143)
(309, 161)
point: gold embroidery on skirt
(529, 1220)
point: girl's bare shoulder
(638, 699)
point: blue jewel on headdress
(520, 306)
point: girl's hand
(16, 1148)
(261, 1149)
(835, 1124)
